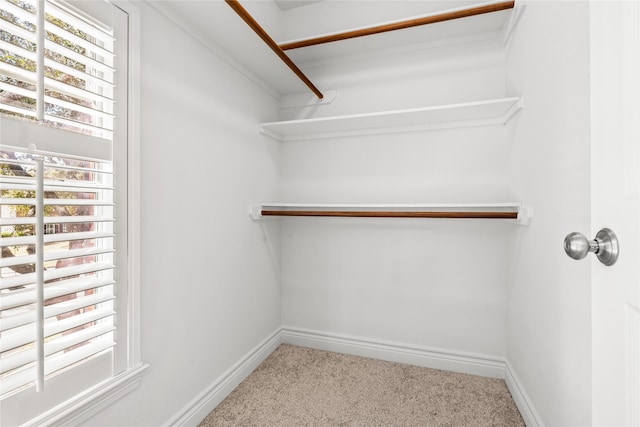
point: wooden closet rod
(432, 19)
(253, 24)
(393, 214)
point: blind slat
(23, 336)
(17, 50)
(58, 237)
(56, 184)
(83, 94)
(52, 186)
(29, 220)
(17, 30)
(19, 12)
(99, 82)
(98, 130)
(18, 110)
(21, 359)
(93, 112)
(17, 90)
(19, 73)
(69, 188)
(28, 163)
(92, 48)
(58, 273)
(55, 256)
(63, 287)
(78, 57)
(77, 303)
(55, 202)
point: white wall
(366, 82)
(549, 332)
(477, 287)
(437, 284)
(209, 286)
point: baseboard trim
(468, 363)
(196, 410)
(525, 406)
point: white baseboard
(196, 410)
(468, 363)
(526, 408)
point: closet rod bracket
(525, 213)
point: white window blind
(60, 74)
(78, 263)
(76, 66)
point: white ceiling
(291, 4)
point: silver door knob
(604, 246)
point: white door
(615, 186)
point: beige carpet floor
(298, 386)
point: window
(67, 270)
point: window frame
(129, 369)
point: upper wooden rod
(393, 214)
(432, 19)
(242, 12)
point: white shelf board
(478, 113)
(494, 25)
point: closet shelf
(509, 210)
(452, 27)
(472, 26)
(480, 113)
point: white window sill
(84, 406)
